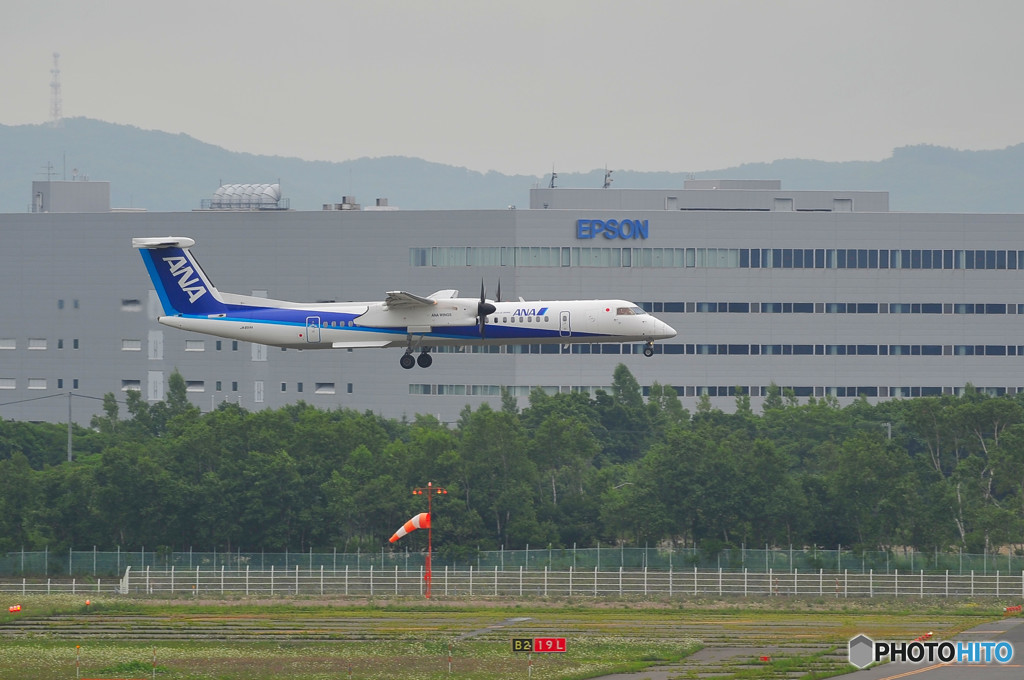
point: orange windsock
(420, 521)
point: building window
(195, 386)
(131, 345)
(8, 343)
(195, 345)
(130, 305)
(37, 343)
(74, 344)
(8, 383)
(127, 385)
(325, 388)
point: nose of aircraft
(662, 331)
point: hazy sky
(680, 85)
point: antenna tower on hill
(56, 115)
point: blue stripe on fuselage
(297, 317)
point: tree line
(933, 473)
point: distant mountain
(158, 171)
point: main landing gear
(408, 360)
(423, 360)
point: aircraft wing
(399, 298)
(356, 344)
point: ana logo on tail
(181, 269)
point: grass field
(116, 637)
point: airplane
(192, 303)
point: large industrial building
(823, 292)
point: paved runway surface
(708, 660)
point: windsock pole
(429, 490)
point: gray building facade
(824, 293)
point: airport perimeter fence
(519, 582)
(95, 564)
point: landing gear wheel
(407, 361)
(424, 360)
(649, 349)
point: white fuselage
(447, 322)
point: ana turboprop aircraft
(191, 302)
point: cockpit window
(629, 311)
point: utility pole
(69, 427)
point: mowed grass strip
(312, 640)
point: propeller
(483, 308)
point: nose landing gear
(649, 349)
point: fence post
(321, 578)
(896, 585)
(796, 574)
(570, 571)
(296, 577)
(997, 583)
(396, 579)
(620, 579)
(346, 581)
(871, 583)
(771, 583)
(595, 580)
(922, 583)
(520, 580)
(670, 574)
(495, 580)
(271, 579)
(545, 580)
(172, 579)
(645, 576)
(371, 579)
(695, 579)
(471, 580)
(222, 579)
(247, 579)
(744, 581)
(197, 580)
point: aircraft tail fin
(181, 284)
